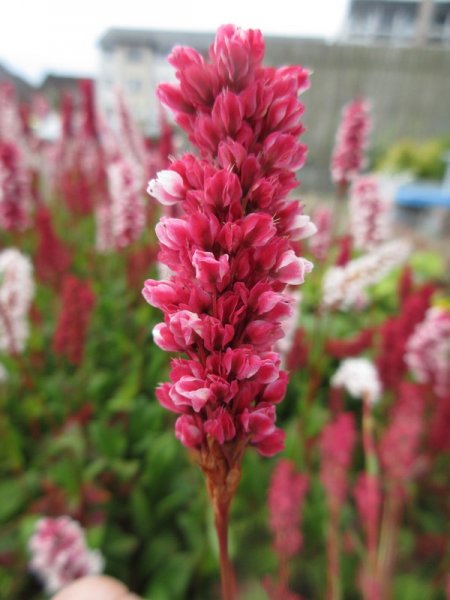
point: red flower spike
(71, 329)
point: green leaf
(141, 511)
(13, 494)
(429, 265)
(123, 398)
(410, 587)
(71, 441)
(172, 578)
(108, 440)
(121, 545)
(125, 469)
(95, 536)
(254, 591)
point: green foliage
(424, 160)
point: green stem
(388, 541)
(368, 439)
(333, 571)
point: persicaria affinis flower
(78, 302)
(81, 178)
(11, 127)
(286, 495)
(369, 213)
(52, 256)
(15, 188)
(428, 350)
(231, 254)
(346, 287)
(319, 243)
(359, 377)
(59, 554)
(368, 502)
(231, 259)
(400, 444)
(348, 157)
(16, 293)
(395, 333)
(127, 208)
(336, 448)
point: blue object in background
(422, 195)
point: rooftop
(399, 1)
(58, 80)
(23, 89)
(164, 40)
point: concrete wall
(409, 89)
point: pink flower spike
(15, 188)
(336, 445)
(230, 251)
(369, 212)
(287, 492)
(17, 290)
(59, 554)
(400, 444)
(348, 157)
(368, 501)
(428, 350)
(321, 241)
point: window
(134, 54)
(134, 85)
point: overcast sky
(38, 36)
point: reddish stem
(283, 573)
(222, 470)
(227, 576)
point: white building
(135, 61)
(398, 22)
